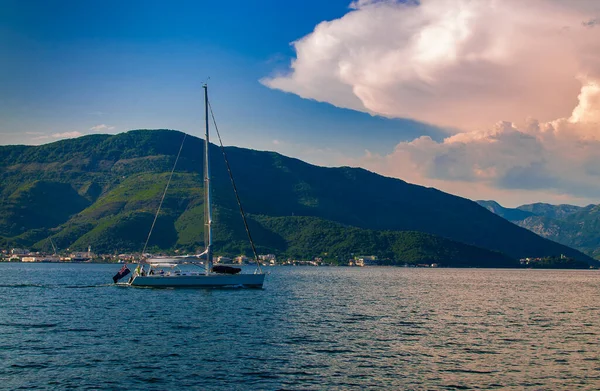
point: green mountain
(104, 190)
(571, 225)
(317, 237)
(558, 212)
(509, 214)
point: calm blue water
(65, 327)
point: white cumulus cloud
(454, 63)
(516, 83)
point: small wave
(512, 340)
(469, 371)
(53, 286)
(154, 380)
(408, 323)
(22, 286)
(480, 351)
(457, 387)
(297, 373)
(30, 366)
(29, 325)
(86, 286)
(262, 375)
(186, 327)
(333, 351)
(76, 330)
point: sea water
(66, 326)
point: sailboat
(217, 276)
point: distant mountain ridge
(571, 225)
(110, 186)
(509, 214)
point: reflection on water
(64, 326)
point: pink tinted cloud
(515, 82)
(456, 63)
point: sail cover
(226, 269)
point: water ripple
(67, 327)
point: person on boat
(139, 270)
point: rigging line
(164, 194)
(237, 197)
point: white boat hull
(200, 280)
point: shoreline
(328, 265)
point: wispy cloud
(591, 23)
(67, 135)
(101, 127)
(41, 137)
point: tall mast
(207, 203)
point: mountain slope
(122, 177)
(574, 226)
(509, 214)
(316, 237)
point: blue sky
(70, 66)
(510, 89)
